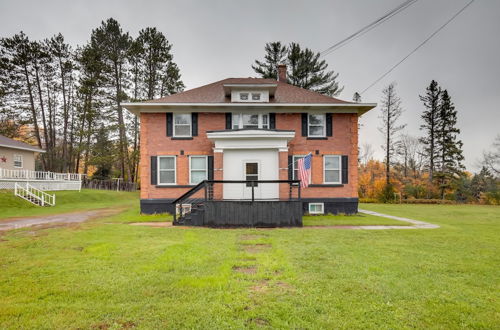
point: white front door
(251, 165)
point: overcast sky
(213, 40)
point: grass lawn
(107, 274)
(66, 201)
(355, 220)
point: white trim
(316, 212)
(14, 160)
(158, 183)
(190, 124)
(260, 119)
(324, 124)
(206, 167)
(22, 148)
(340, 169)
(251, 133)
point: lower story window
(166, 170)
(316, 208)
(332, 169)
(18, 161)
(198, 169)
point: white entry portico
(250, 155)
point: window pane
(316, 119)
(265, 121)
(236, 121)
(332, 176)
(183, 119)
(167, 176)
(255, 96)
(198, 176)
(315, 130)
(167, 163)
(250, 121)
(332, 163)
(295, 167)
(182, 130)
(244, 96)
(198, 163)
(251, 168)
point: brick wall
(154, 142)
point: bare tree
(391, 111)
(411, 153)
(366, 153)
(491, 159)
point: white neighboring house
(17, 165)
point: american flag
(304, 167)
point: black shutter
(272, 120)
(169, 124)
(345, 169)
(194, 124)
(153, 173)
(210, 167)
(304, 124)
(329, 130)
(290, 167)
(229, 119)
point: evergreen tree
(102, 154)
(448, 145)
(430, 117)
(391, 111)
(276, 53)
(305, 69)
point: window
(18, 161)
(332, 169)
(198, 169)
(182, 125)
(296, 168)
(250, 121)
(316, 125)
(244, 96)
(251, 172)
(166, 170)
(255, 96)
(316, 208)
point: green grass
(107, 274)
(66, 201)
(355, 220)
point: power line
(419, 46)
(368, 27)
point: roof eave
(22, 148)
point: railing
(38, 175)
(34, 195)
(251, 190)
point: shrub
(388, 194)
(368, 200)
(427, 201)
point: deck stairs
(34, 195)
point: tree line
(67, 100)
(429, 166)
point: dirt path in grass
(64, 218)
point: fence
(117, 185)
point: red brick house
(249, 129)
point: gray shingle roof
(10, 143)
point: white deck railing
(38, 175)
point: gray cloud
(218, 39)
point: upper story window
(18, 161)
(182, 125)
(316, 125)
(244, 96)
(166, 170)
(255, 96)
(254, 120)
(332, 169)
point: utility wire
(418, 47)
(368, 27)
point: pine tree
(276, 53)
(430, 117)
(391, 112)
(448, 144)
(305, 69)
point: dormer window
(255, 96)
(244, 96)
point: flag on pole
(304, 167)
